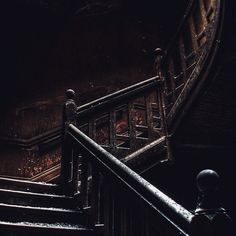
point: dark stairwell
(169, 117)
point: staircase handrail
(116, 198)
(176, 218)
(186, 62)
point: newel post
(69, 117)
(160, 70)
(210, 219)
(157, 63)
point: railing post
(132, 123)
(158, 66)
(69, 117)
(157, 63)
(210, 219)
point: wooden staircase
(38, 208)
(107, 141)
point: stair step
(29, 186)
(50, 215)
(46, 229)
(35, 199)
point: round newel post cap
(70, 94)
(208, 180)
(210, 217)
(158, 51)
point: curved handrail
(189, 56)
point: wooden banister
(101, 170)
(119, 201)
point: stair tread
(57, 209)
(9, 180)
(58, 225)
(35, 194)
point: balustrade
(122, 122)
(186, 57)
(118, 201)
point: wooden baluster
(146, 229)
(74, 184)
(171, 74)
(84, 182)
(107, 210)
(193, 33)
(161, 103)
(112, 129)
(96, 198)
(160, 91)
(163, 127)
(132, 124)
(203, 12)
(157, 63)
(92, 129)
(113, 214)
(100, 196)
(210, 219)
(124, 224)
(182, 58)
(149, 115)
(66, 166)
(69, 117)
